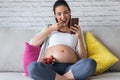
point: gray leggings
(81, 70)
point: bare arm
(81, 47)
(37, 40)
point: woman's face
(62, 14)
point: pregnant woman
(63, 55)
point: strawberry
(48, 60)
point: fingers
(75, 29)
(48, 60)
(60, 24)
(56, 26)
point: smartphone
(74, 21)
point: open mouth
(64, 22)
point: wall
(38, 13)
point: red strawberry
(48, 60)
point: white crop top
(67, 39)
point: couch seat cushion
(13, 76)
(107, 76)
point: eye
(58, 14)
(66, 12)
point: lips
(65, 21)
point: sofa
(12, 45)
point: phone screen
(74, 21)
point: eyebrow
(62, 12)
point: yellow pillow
(97, 51)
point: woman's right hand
(38, 39)
(56, 26)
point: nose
(63, 16)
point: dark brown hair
(59, 3)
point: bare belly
(61, 53)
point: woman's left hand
(76, 30)
(48, 60)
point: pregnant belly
(61, 53)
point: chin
(65, 24)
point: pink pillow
(31, 54)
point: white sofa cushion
(107, 76)
(21, 76)
(13, 76)
(12, 43)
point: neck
(64, 29)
